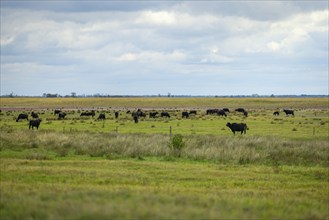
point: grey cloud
(200, 48)
(85, 5)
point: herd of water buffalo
(235, 127)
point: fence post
(170, 130)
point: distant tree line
(75, 95)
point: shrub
(176, 144)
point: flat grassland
(164, 102)
(81, 168)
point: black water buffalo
(212, 111)
(101, 116)
(289, 112)
(193, 112)
(221, 113)
(153, 114)
(34, 115)
(240, 110)
(165, 114)
(141, 114)
(242, 127)
(276, 113)
(22, 116)
(185, 114)
(34, 123)
(135, 117)
(91, 113)
(138, 114)
(57, 111)
(116, 114)
(61, 115)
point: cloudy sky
(161, 47)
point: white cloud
(153, 56)
(162, 43)
(4, 41)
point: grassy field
(80, 168)
(84, 188)
(166, 103)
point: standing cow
(34, 115)
(222, 113)
(135, 117)
(289, 112)
(61, 115)
(153, 114)
(165, 114)
(242, 127)
(185, 114)
(34, 123)
(101, 116)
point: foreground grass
(85, 175)
(93, 188)
(263, 150)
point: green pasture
(81, 168)
(307, 124)
(83, 188)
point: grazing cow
(57, 111)
(153, 114)
(22, 116)
(226, 109)
(289, 112)
(240, 110)
(276, 113)
(34, 123)
(34, 115)
(221, 113)
(165, 114)
(116, 114)
(212, 111)
(91, 113)
(101, 116)
(242, 127)
(61, 115)
(193, 112)
(185, 114)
